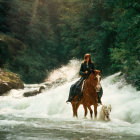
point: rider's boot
(99, 101)
(69, 100)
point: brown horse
(91, 88)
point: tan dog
(105, 113)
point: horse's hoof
(95, 119)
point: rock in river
(34, 92)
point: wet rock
(31, 93)
(8, 81)
(34, 92)
(41, 89)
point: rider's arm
(81, 70)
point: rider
(87, 67)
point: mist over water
(47, 116)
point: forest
(37, 36)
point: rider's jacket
(86, 67)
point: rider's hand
(86, 72)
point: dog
(105, 113)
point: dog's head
(107, 110)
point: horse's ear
(97, 72)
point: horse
(90, 94)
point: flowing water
(48, 117)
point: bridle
(96, 76)
(98, 86)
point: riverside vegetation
(40, 35)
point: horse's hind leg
(85, 108)
(91, 112)
(95, 111)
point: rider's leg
(100, 93)
(71, 93)
(73, 90)
(80, 90)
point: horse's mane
(94, 73)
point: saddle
(82, 85)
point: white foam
(125, 101)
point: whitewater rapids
(47, 116)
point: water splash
(68, 72)
(50, 107)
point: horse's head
(95, 78)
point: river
(48, 117)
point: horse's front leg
(91, 112)
(85, 108)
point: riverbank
(8, 81)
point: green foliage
(55, 31)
